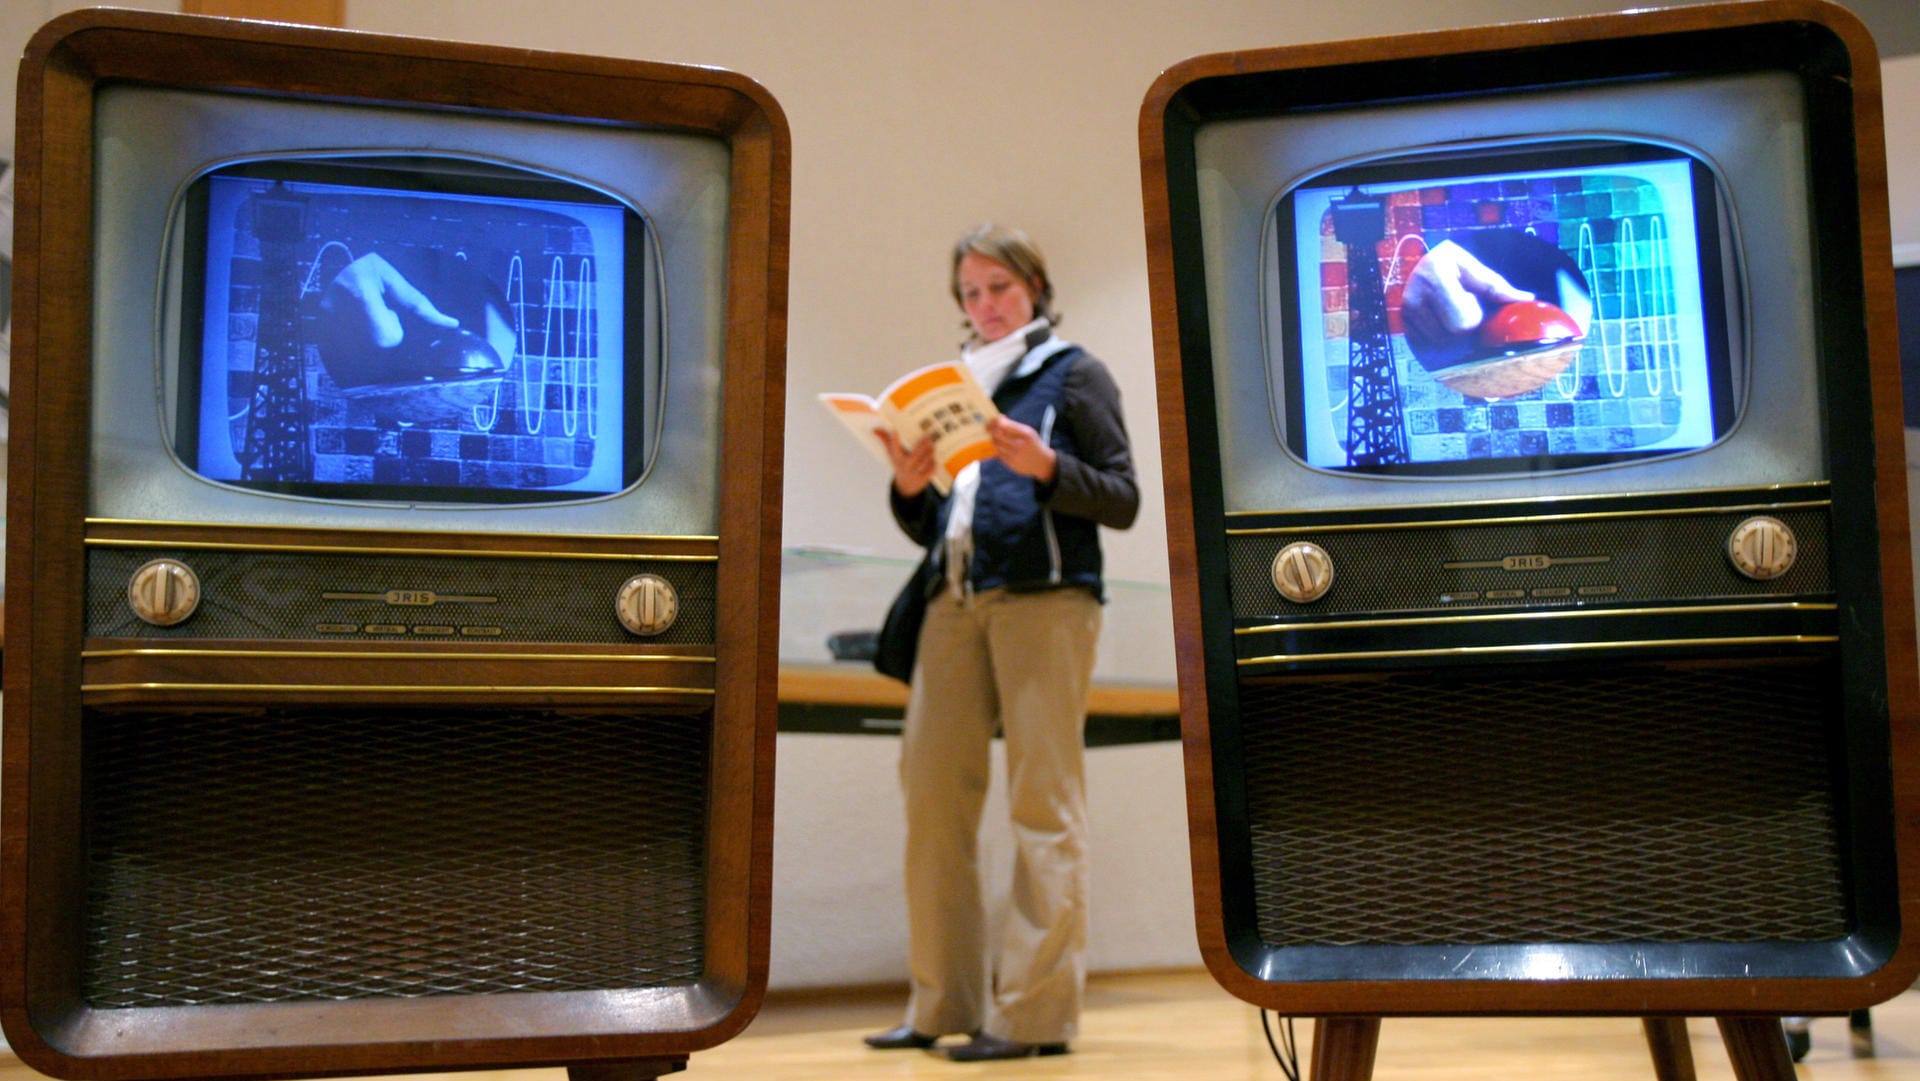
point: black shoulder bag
(899, 639)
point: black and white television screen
(415, 330)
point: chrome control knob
(1762, 548)
(163, 592)
(1303, 572)
(647, 605)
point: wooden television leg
(1343, 1048)
(1758, 1048)
(1672, 1052)
(645, 1069)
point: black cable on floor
(1286, 1051)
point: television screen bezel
(407, 174)
(1437, 165)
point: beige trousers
(1020, 663)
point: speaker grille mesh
(244, 858)
(1638, 804)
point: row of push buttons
(427, 630)
(1544, 592)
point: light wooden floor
(1178, 1026)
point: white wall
(1900, 90)
(912, 120)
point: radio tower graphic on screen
(1376, 430)
(274, 446)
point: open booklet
(942, 401)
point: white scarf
(1021, 351)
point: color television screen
(1518, 310)
(410, 330)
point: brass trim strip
(1540, 647)
(1562, 613)
(221, 546)
(345, 655)
(1590, 516)
(1802, 486)
(143, 524)
(382, 688)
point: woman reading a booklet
(1007, 644)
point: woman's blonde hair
(1011, 249)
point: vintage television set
(392, 567)
(1530, 410)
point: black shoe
(903, 1038)
(985, 1048)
